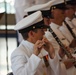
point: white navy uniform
(26, 63)
(50, 37)
(56, 29)
(70, 24)
(66, 33)
(74, 22)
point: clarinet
(61, 45)
(72, 33)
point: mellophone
(69, 55)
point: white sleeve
(55, 64)
(23, 66)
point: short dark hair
(25, 35)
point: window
(3, 51)
(9, 5)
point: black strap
(72, 33)
(60, 43)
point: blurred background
(8, 36)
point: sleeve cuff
(34, 61)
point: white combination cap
(59, 4)
(44, 8)
(40, 7)
(30, 22)
(56, 2)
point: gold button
(33, 27)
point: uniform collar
(28, 44)
(54, 25)
(67, 19)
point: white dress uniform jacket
(24, 62)
(56, 29)
(66, 33)
(59, 34)
(74, 22)
(56, 46)
(69, 22)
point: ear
(52, 14)
(31, 33)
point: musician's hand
(73, 44)
(48, 47)
(61, 52)
(68, 49)
(68, 52)
(38, 47)
(68, 63)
